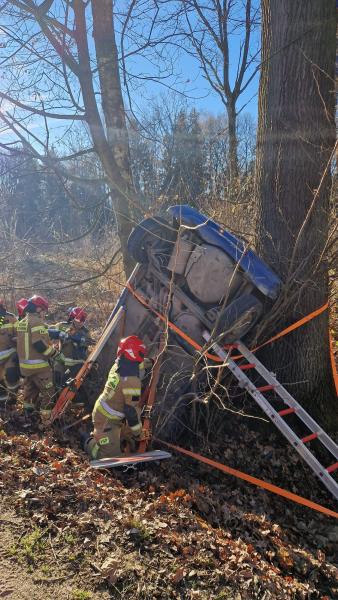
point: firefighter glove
(59, 357)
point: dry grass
(66, 275)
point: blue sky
(198, 91)
(205, 99)
(191, 82)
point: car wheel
(238, 318)
(154, 234)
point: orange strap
(333, 363)
(294, 326)
(171, 325)
(258, 482)
(215, 358)
(151, 395)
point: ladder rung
(246, 367)
(266, 388)
(310, 437)
(332, 467)
(286, 411)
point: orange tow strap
(288, 329)
(171, 325)
(258, 482)
(294, 326)
(215, 358)
(146, 425)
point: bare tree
(62, 66)
(295, 147)
(220, 35)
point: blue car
(201, 278)
(214, 279)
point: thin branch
(42, 113)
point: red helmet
(39, 302)
(21, 305)
(131, 348)
(76, 312)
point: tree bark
(111, 145)
(233, 142)
(114, 115)
(296, 136)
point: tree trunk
(295, 142)
(233, 143)
(111, 145)
(114, 115)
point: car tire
(238, 318)
(155, 232)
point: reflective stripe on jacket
(117, 395)
(33, 344)
(4, 354)
(7, 333)
(104, 408)
(70, 362)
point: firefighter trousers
(106, 441)
(63, 372)
(39, 392)
(10, 376)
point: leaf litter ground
(173, 530)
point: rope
(254, 481)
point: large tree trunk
(295, 142)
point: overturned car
(192, 276)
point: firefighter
(73, 341)
(9, 365)
(119, 401)
(35, 354)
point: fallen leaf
(178, 575)
(110, 569)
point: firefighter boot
(30, 414)
(45, 419)
(3, 392)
